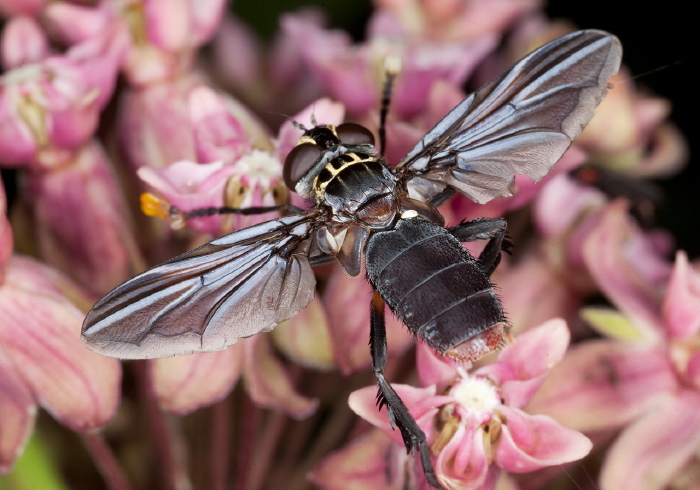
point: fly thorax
(358, 188)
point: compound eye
(354, 134)
(299, 162)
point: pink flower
(372, 460)
(354, 74)
(189, 185)
(22, 7)
(42, 361)
(631, 133)
(23, 42)
(244, 176)
(271, 79)
(186, 383)
(218, 134)
(185, 120)
(6, 235)
(80, 219)
(645, 378)
(535, 275)
(629, 267)
(445, 19)
(53, 105)
(182, 25)
(347, 301)
(474, 419)
(163, 35)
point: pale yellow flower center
(259, 166)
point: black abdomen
(432, 283)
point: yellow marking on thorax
(320, 186)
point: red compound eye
(299, 162)
(354, 134)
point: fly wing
(519, 123)
(206, 299)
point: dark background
(660, 48)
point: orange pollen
(152, 205)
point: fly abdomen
(436, 287)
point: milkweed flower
(643, 378)
(183, 384)
(42, 361)
(52, 104)
(475, 422)
(353, 74)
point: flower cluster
(101, 101)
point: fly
(249, 281)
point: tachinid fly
(249, 281)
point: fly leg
(392, 66)
(492, 229)
(198, 213)
(152, 205)
(399, 416)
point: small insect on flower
(249, 281)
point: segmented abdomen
(432, 283)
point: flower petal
(530, 442)
(344, 70)
(627, 267)
(561, 203)
(347, 303)
(70, 204)
(305, 339)
(536, 351)
(75, 23)
(188, 185)
(268, 381)
(218, 135)
(522, 367)
(681, 306)
(17, 412)
(434, 369)
(533, 277)
(154, 125)
(423, 64)
(604, 384)
(185, 383)
(18, 145)
(652, 451)
(370, 461)
(23, 42)
(463, 463)
(40, 332)
(422, 403)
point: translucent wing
(519, 123)
(204, 300)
